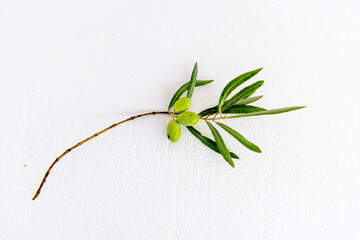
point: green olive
(173, 131)
(182, 104)
(188, 118)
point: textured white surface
(70, 68)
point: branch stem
(214, 118)
(88, 139)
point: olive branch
(235, 107)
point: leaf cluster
(236, 106)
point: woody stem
(86, 140)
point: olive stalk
(88, 139)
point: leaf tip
(300, 107)
(256, 71)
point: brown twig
(88, 139)
(214, 118)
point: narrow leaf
(267, 112)
(208, 142)
(183, 89)
(240, 138)
(192, 81)
(239, 96)
(220, 144)
(245, 92)
(208, 111)
(213, 110)
(245, 101)
(236, 109)
(233, 84)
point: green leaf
(236, 109)
(245, 92)
(213, 110)
(245, 101)
(233, 84)
(239, 98)
(183, 89)
(208, 142)
(268, 112)
(220, 144)
(208, 111)
(192, 81)
(240, 138)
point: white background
(71, 68)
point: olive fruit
(182, 104)
(173, 131)
(188, 118)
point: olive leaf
(245, 101)
(240, 138)
(236, 109)
(220, 144)
(233, 84)
(268, 112)
(208, 142)
(192, 81)
(245, 92)
(183, 89)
